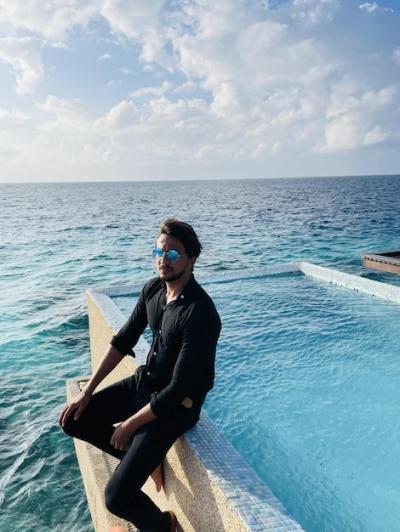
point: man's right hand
(77, 405)
(111, 358)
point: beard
(173, 276)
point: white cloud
(50, 19)
(396, 55)
(24, 56)
(259, 38)
(346, 96)
(9, 153)
(104, 57)
(139, 20)
(112, 84)
(313, 11)
(15, 136)
(70, 113)
(247, 65)
(152, 91)
(381, 98)
(375, 136)
(342, 133)
(126, 71)
(119, 117)
(215, 20)
(188, 86)
(157, 133)
(356, 119)
(371, 7)
(132, 18)
(226, 101)
(12, 118)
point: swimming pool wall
(208, 483)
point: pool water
(307, 390)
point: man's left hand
(123, 434)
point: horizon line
(174, 180)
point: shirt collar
(187, 289)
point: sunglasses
(172, 254)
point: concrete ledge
(352, 282)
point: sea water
(59, 239)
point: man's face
(172, 270)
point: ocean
(57, 240)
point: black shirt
(181, 360)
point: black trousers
(150, 444)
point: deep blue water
(59, 239)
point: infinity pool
(307, 389)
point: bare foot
(117, 529)
(158, 477)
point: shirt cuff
(162, 407)
(155, 405)
(123, 350)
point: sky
(96, 90)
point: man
(163, 398)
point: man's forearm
(141, 417)
(124, 432)
(108, 362)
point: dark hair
(183, 232)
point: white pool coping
(247, 493)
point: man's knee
(111, 499)
(115, 498)
(72, 427)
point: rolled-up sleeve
(193, 373)
(129, 334)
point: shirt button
(182, 296)
(154, 353)
(148, 373)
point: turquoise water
(307, 390)
(58, 240)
